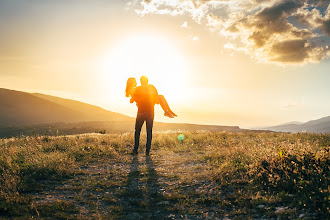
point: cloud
(326, 22)
(290, 51)
(281, 31)
(326, 27)
(291, 103)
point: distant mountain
(89, 112)
(321, 125)
(292, 123)
(21, 108)
(35, 113)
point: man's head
(144, 80)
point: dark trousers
(149, 119)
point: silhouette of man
(145, 96)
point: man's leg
(149, 125)
(138, 125)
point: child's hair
(130, 85)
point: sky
(247, 63)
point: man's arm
(156, 96)
(135, 95)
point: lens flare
(180, 137)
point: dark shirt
(146, 97)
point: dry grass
(208, 175)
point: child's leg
(163, 103)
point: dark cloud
(285, 31)
(259, 38)
(310, 19)
(326, 27)
(313, 18)
(272, 20)
(297, 51)
(318, 3)
(303, 34)
(279, 11)
(290, 51)
(270, 30)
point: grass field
(208, 175)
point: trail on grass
(209, 176)
(128, 187)
(165, 185)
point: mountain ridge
(23, 113)
(99, 114)
(321, 125)
(20, 108)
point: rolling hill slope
(35, 113)
(21, 108)
(89, 112)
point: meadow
(206, 175)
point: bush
(306, 176)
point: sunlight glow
(145, 54)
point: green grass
(207, 175)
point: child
(130, 87)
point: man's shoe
(134, 152)
(147, 153)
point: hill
(20, 109)
(321, 125)
(35, 113)
(89, 112)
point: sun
(145, 54)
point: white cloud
(282, 31)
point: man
(145, 96)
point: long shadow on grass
(142, 198)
